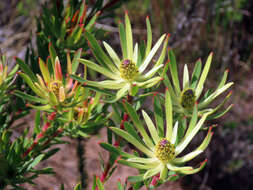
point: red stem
(41, 134)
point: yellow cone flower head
(162, 150)
(186, 95)
(52, 88)
(126, 73)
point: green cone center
(188, 98)
(164, 150)
(128, 70)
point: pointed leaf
(133, 115)
(129, 37)
(132, 140)
(203, 76)
(169, 116)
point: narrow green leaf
(220, 105)
(134, 165)
(119, 186)
(37, 122)
(115, 150)
(132, 140)
(112, 54)
(94, 184)
(100, 184)
(78, 187)
(211, 97)
(151, 54)
(122, 34)
(187, 139)
(174, 133)
(53, 55)
(169, 116)
(41, 108)
(29, 97)
(134, 179)
(151, 127)
(153, 171)
(168, 84)
(149, 37)
(131, 130)
(164, 172)
(121, 93)
(135, 55)
(163, 53)
(203, 76)
(109, 84)
(26, 69)
(98, 52)
(99, 69)
(196, 74)
(133, 115)
(44, 71)
(159, 116)
(194, 119)
(35, 161)
(129, 37)
(193, 171)
(173, 71)
(28, 80)
(186, 77)
(218, 115)
(92, 22)
(223, 80)
(75, 61)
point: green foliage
(20, 156)
(9, 111)
(68, 103)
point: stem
(81, 161)
(125, 118)
(155, 179)
(107, 168)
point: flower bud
(188, 98)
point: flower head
(162, 151)
(185, 98)
(52, 87)
(126, 73)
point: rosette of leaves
(161, 150)
(126, 73)
(53, 90)
(184, 97)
